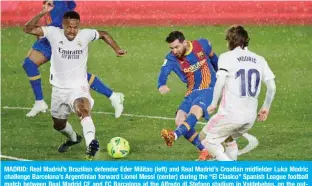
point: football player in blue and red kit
(195, 63)
(41, 53)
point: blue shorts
(200, 98)
(43, 46)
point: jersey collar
(190, 49)
(240, 48)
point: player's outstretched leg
(92, 149)
(193, 137)
(62, 126)
(216, 149)
(253, 142)
(82, 107)
(231, 148)
(30, 66)
(187, 129)
(117, 100)
(115, 97)
(65, 146)
(168, 136)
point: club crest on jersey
(200, 54)
(80, 43)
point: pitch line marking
(109, 113)
(13, 158)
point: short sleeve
(206, 46)
(224, 62)
(48, 31)
(92, 34)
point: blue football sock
(193, 137)
(97, 85)
(182, 129)
(188, 124)
(33, 74)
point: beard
(183, 51)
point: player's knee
(179, 120)
(229, 139)
(37, 57)
(197, 111)
(59, 124)
(28, 63)
(180, 117)
(82, 107)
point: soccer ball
(118, 147)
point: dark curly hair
(175, 35)
(71, 15)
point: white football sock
(175, 136)
(88, 129)
(231, 149)
(216, 150)
(69, 132)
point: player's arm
(105, 36)
(71, 4)
(180, 74)
(163, 76)
(209, 52)
(214, 60)
(268, 78)
(222, 74)
(31, 26)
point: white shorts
(62, 101)
(219, 128)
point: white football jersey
(69, 58)
(246, 70)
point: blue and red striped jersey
(197, 68)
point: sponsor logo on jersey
(70, 54)
(194, 67)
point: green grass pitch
(286, 135)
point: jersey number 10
(252, 86)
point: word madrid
(52, 169)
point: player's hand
(263, 114)
(121, 52)
(211, 109)
(164, 89)
(47, 7)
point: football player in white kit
(68, 76)
(238, 81)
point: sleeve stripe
(223, 69)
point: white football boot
(117, 102)
(39, 106)
(253, 142)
